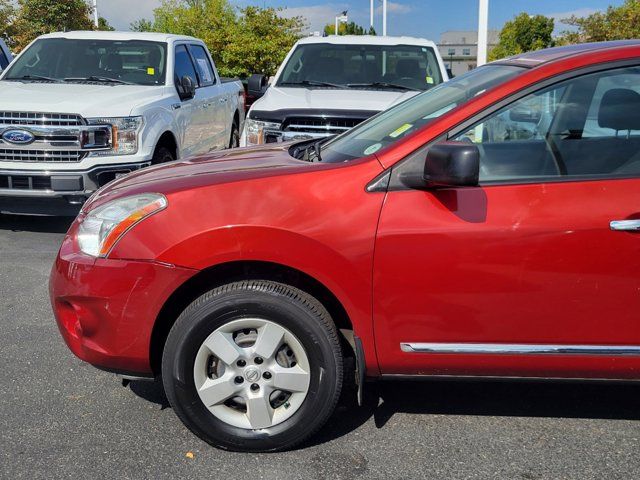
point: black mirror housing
(257, 85)
(186, 88)
(452, 164)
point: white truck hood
(280, 98)
(85, 100)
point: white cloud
(120, 13)
(393, 7)
(316, 16)
(581, 12)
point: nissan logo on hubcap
(18, 137)
(252, 374)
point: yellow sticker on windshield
(401, 130)
(151, 71)
(430, 80)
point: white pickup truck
(327, 85)
(79, 109)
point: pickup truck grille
(58, 156)
(326, 126)
(55, 137)
(43, 119)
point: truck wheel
(162, 155)
(234, 142)
(253, 366)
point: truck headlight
(105, 225)
(255, 130)
(125, 134)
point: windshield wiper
(383, 85)
(36, 77)
(96, 78)
(313, 83)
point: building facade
(459, 49)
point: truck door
(215, 106)
(188, 112)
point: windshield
(400, 67)
(391, 125)
(71, 60)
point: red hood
(220, 167)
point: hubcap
(252, 373)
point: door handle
(206, 105)
(223, 100)
(625, 225)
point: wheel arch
(220, 274)
(168, 140)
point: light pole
(95, 13)
(342, 18)
(371, 14)
(384, 18)
(483, 27)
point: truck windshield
(405, 118)
(96, 61)
(388, 67)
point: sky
(419, 18)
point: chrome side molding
(519, 349)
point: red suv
(488, 227)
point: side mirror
(450, 73)
(186, 88)
(257, 85)
(452, 164)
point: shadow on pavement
(37, 224)
(596, 400)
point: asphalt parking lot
(60, 418)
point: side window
(184, 65)
(3, 60)
(203, 64)
(586, 127)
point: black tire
(162, 155)
(234, 141)
(287, 306)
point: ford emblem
(18, 137)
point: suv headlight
(125, 134)
(105, 225)
(255, 130)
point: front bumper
(106, 309)
(52, 192)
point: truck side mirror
(257, 85)
(186, 88)
(452, 164)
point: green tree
(245, 41)
(523, 34)
(7, 12)
(142, 25)
(104, 25)
(37, 17)
(617, 23)
(259, 41)
(351, 28)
